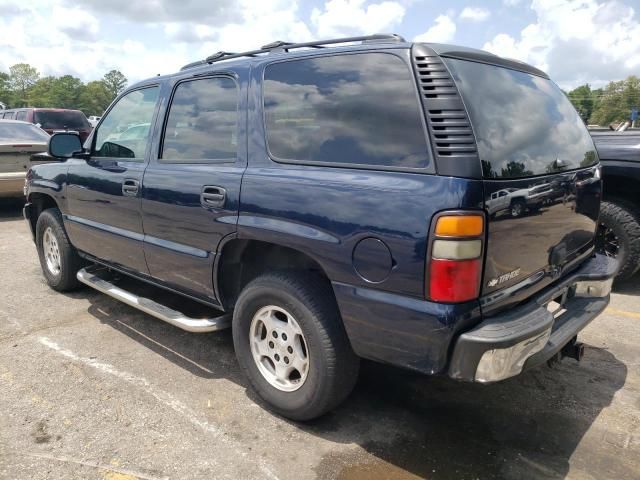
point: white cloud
(475, 14)
(443, 31)
(577, 41)
(349, 17)
(69, 40)
(511, 3)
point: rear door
(191, 188)
(534, 146)
(103, 192)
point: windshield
(524, 124)
(61, 119)
(11, 132)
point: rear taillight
(454, 267)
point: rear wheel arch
(240, 261)
(621, 189)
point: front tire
(618, 236)
(59, 260)
(291, 344)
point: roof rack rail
(280, 46)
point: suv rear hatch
(54, 120)
(541, 179)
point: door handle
(213, 196)
(130, 187)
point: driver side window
(124, 132)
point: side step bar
(178, 319)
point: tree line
(24, 87)
(610, 104)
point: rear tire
(304, 305)
(619, 236)
(59, 260)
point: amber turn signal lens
(460, 226)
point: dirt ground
(93, 389)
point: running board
(178, 319)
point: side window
(503, 193)
(22, 115)
(345, 109)
(125, 130)
(9, 115)
(202, 122)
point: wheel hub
(51, 251)
(279, 348)
(607, 242)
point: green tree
(40, 93)
(616, 101)
(22, 77)
(65, 91)
(582, 99)
(5, 90)
(115, 82)
(95, 98)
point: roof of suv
(279, 49)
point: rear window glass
(61, 120)
(344, 109)
(10, 132)
(524, 124)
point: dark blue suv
(427, 206)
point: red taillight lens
(454, 268)
(454, 280)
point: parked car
(519, 201)
(93, 120)
(52, 119)
(330, 205)
(619, 231)
(18, 141)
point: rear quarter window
(524, 124)
(357, 109)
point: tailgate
(537, 231)
(541, 177)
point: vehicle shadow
(411, 426)
(630, 286)
(11, 208)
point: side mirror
(65, 144)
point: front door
(104, 192)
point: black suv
(619, 231)
(330, 201)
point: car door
(103, 192)
(191, 188)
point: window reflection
(524, 124)
(125, 130)
(202, 121)
(354, 109)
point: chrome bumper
(505, 345)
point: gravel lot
(90, 388)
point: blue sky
(575, 41)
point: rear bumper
(506, 344)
